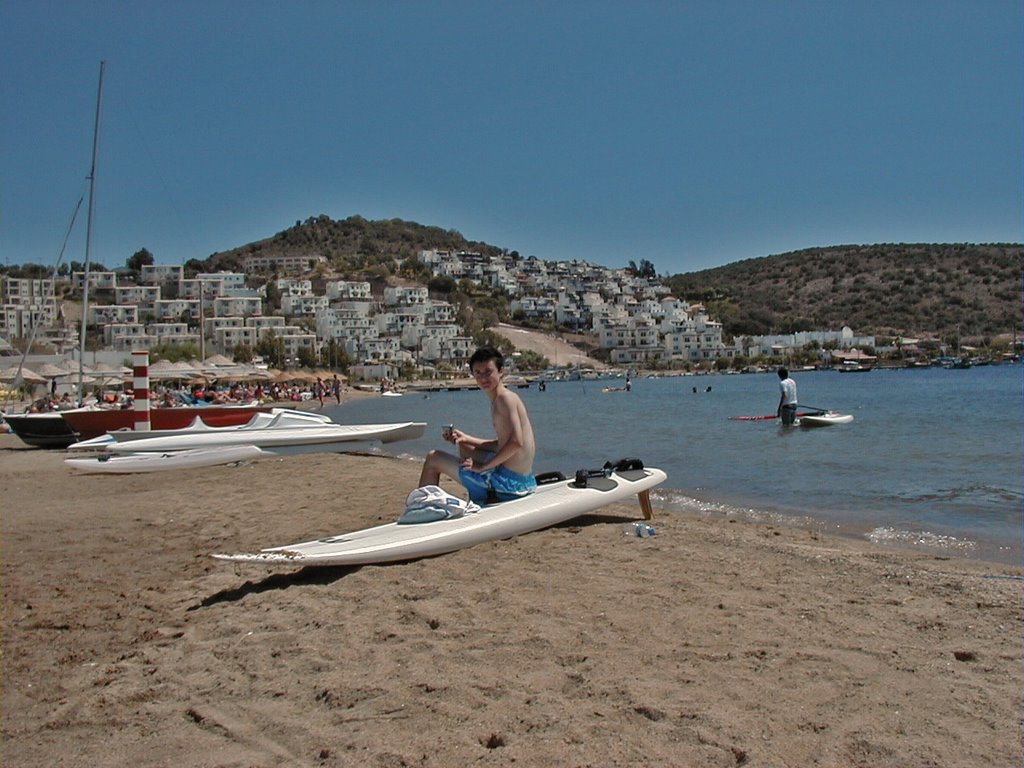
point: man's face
(486, 374)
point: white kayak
(823, 419)
(550, 504)
(160, 462)
(325, 436)
(276, 418)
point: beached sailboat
(59, 429)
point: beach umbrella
(218, 361)
(164, 370)
(51, 371)
(187, 370)
(113, 370)
(241, 373)
(10, 375)
(110, 379)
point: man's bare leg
(439, 463)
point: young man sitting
(497, 469)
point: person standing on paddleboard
(498, 469)
(787, 400)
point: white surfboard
(548, 505)
(160, 462)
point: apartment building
(144, 297)
(27, 304)
(98, 281)
(112, 313)
(342, 289)
(156, 274)
(290, 265)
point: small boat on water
(823, 419)
(851, 366)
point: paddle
(753, 418)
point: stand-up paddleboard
(550, 504)
(161, 462)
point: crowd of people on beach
(173, 396)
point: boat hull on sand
(41, 430)
(549, 505)
(89, 423)
(134, 463)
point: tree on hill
(139, 259)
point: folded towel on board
(431, 503)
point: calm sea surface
(934, 458)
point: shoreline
(712, 643)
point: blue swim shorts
(498, 484)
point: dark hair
(783, 373)
(484, 354)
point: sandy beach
(710, 644)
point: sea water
(934, 458)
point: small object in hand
(448, 431)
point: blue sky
(690, 134)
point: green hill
(353, 244)
(874, 289)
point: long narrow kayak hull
(277, 418)
(161, 462)
(547, 506)
(271, 438)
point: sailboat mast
(88, 232)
